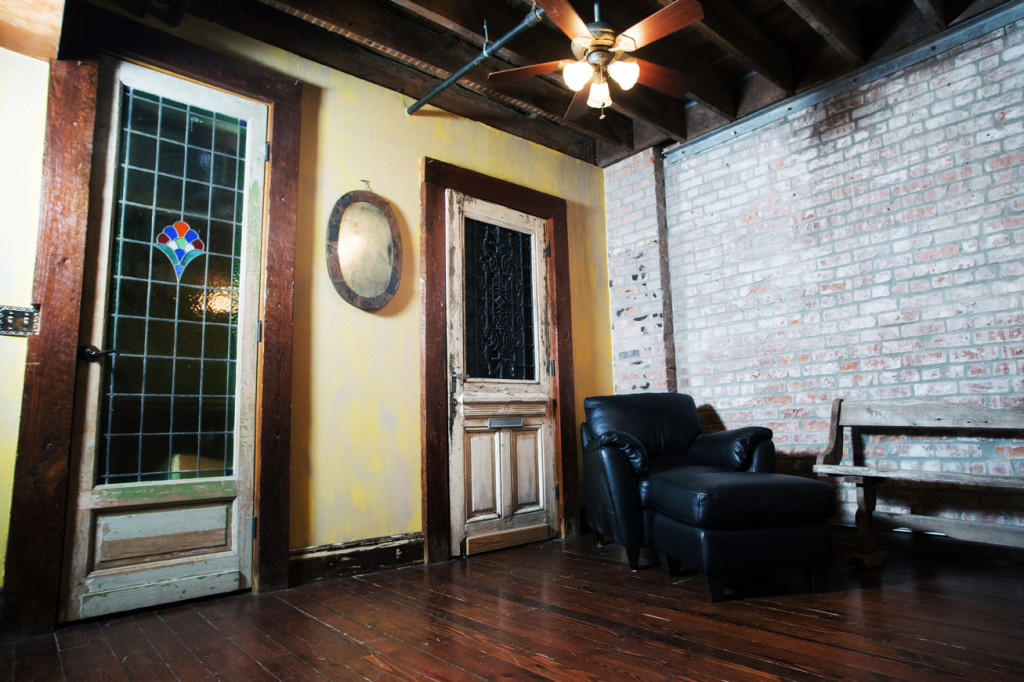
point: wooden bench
(920, 418)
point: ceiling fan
(601, 55)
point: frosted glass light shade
(625, 73)
(577, 74)
(599, 95)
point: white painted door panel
(165, 430)
(501, 445)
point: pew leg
(868, 554)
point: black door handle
(91, 353)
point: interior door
(166, 388)
(501, 442)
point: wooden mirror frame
(334, 223)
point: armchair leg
(815, 576)
(633, 556)
(716, 586)
(599, 537)
(670, 564)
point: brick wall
(868, 247)
(642, 340)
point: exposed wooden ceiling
(743, 56)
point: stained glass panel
(168, 398)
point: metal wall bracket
(19, 320)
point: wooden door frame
(438, 177)
(32, 577)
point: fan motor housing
(596, 50)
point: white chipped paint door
(165, 430)
(501, 442)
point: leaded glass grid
(499, 302)
(168, 398)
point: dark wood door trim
(41, 479)
(437, 177)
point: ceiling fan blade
(524, 72)
(578, 106)
(665, 80)
(565, 17)
(675, 17)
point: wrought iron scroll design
(499, 302)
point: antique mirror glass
(364, 250)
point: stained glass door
(165, 440)
(501, 445)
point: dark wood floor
(565, 610)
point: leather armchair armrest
(631, 448)
(738, 449)
(612, 493)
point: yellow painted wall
(22, 115)
(356, 425)
(356, 389)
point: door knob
(91, 353)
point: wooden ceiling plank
(310, 42)
(656, 110)
(541, 45)
(835, 23)
(377, 27)
(934, 13)
(732, 30)
(467, 19)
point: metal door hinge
(259, 332)
(551, 368)
(266, 151)
(558, 493)
(254, 528)
(547, 250)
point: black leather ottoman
(719, 522)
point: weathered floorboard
(569, 610)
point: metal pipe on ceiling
(531, 19)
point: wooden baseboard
(312, 564)
(507, 538)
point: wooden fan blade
(565, 17)
(665, 80)
(524, 72)
(578, 106)
(676, 16)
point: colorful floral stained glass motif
(181, 244)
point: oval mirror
(364, 250)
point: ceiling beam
(835, 23)
(319, 45)
(934, 13)
(732, 30)
(467, 19)
(439, 53)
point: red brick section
(869, 247)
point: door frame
(32, 578)
(439, 176)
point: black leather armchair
(711, 501)
(630, 440)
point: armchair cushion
(727, 500)
(633, 449)
(732, 449)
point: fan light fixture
(625, 72)
(601, 55)
(577, 74)
(600, 97)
